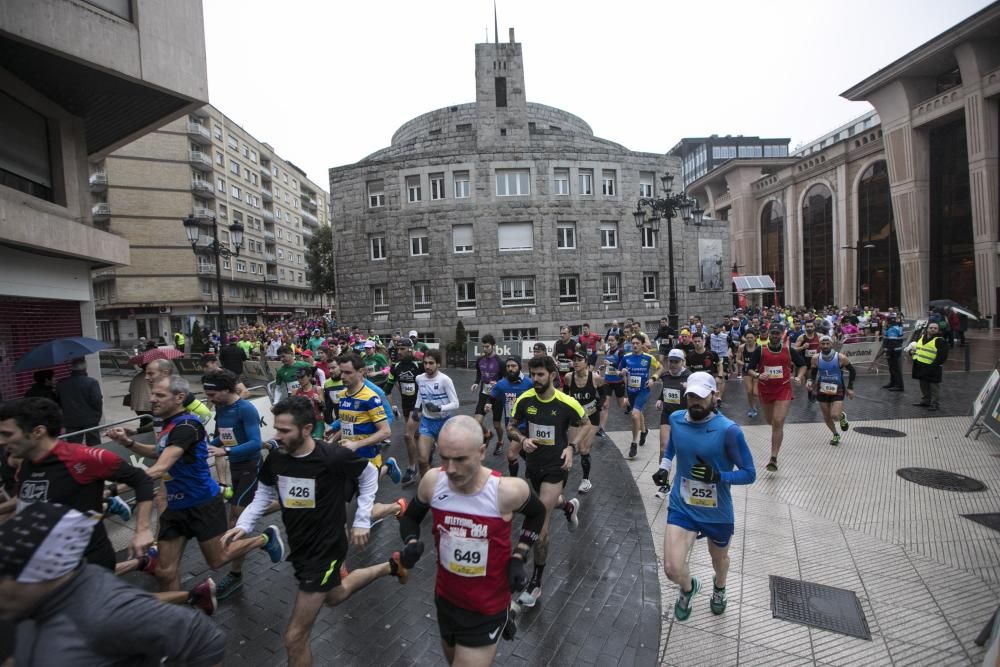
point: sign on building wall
(503, 349)
(709, 264)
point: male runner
(702, 359)
(585, 386)
(808, 346)
(505, 393)
(307, 389)
(673, 398)
(589, 341)
(664, 338)
(775, 374)
(472, 507)
(405, 373)
(541, 423)
(376, 364)
(747, 359)
(638, 366)
(364, 423)
(436, 400)
(614, 381)
(286, 381)
(538, 351)
(708, 447)
(487, 374)
(829, 366)
(310, 481)
(719, 343)
(564, 349)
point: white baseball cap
(701, 384)
(676, 354)
(412, 334)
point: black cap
(302, 371)
(539, 346)
(775, 328)
(579, 355)
(404, 342)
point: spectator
(232, 357)
(45, 385)
(82, 403)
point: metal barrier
(100, 427)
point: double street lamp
(651, 210)
(193, 229)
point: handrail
(104, 426)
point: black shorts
(595, 419)
(202, 522)
(830, 398)
(495, 405)
(614, 388)
(409, 402)
(467, 628)
(664, 349)
(320, 575)
(667, 411)
(553, 473)
(725, 366)
(244, 478)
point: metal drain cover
(989, 520)
(941, 479)
(880, 432)
(818, 606)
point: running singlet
(189, 482)
(777, 366)
(831, 378)
(333, 389)
(612, 362)
(487, 372)
(810, 348)
(586, 395)
(509, 391)
(473, 543)
(563, 352)
(360, 415)
(639, 367)
(673, 396)
(547, 422)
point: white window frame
(462, 248)
(422, 290)
(609, 178)
(611, 287)
(524, 232)
(414, 193)
(380, 299)
(376, 248)
(422, 248)
(609, 235)
(462, 290)
(650, 286)
(376, 194)
(646, 180)
(586, 179)
(566, 236)
(437, 186)
(649, 238)
(513, 182)
(517, 291)
(569, 296)
(560, 182)
(462, 185)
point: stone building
(78, 80)
(204, 165)
(513, 217)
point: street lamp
(267, 281)
(868, 258)
(192, 227)
(671, 205)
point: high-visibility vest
(926, 353)
(179, 338)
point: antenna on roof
(496, 27)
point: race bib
(542, 434)
(698, 493)
(776, 372)
(347, 429)
(292, 386)
(590, 408)
(563, 366)
(828, 388)
(508, 408)
(811, 352)
(634, 382)
(672, 396)
(488, 387)
(408, 388)
(227, 437)
(464, 556)
(297, 492)
(611, 372)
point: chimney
(511, 35)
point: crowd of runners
(337, 394)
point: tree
(320, 264)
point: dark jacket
(41, 391)
(232, 357)
(932, 372)
(81, 401)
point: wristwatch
(227, 450)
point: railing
(203, 213)
(99, 180)
(101, 210)
(101, 427)
(199, 159)
(198, 130)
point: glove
(662, 477)
(703, 472)
(411, 553)
(516, 575)
(433, 408)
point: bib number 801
(472, 557)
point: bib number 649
(466, 556)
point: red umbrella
(156, 353)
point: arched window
(817, 246)
(772, 244)
(878, 267)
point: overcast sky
(327, 83)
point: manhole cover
(880, 432)
(988, 520)
(940, 479)
(818, 606)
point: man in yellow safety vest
(929, 354)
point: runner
(830, 366)
(308, 390)
(702, 359)
(719, 343)
(472, 507)
(748, 358)
(674, 379)
(286, 381)
(808, 346)
(638, 366)
(563, 350)
(364, 423)
(209, 363)
(614, 381)
(775, 374)
(436, 400)
(708, 447)
(405, 372)
(488, 372)
(505, 393)
(376, 364)
(591, 342)
(541, 423)
(310, 480)
(156, 370)
(585, 386)
(539, 351)
(664, 339)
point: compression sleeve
(668, 452)
(367, 486)
(739, 453)
(409, 521)
(851, 374)
(534, 520)
(262, 498)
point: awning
(754, 284)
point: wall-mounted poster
(710, 264)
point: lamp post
(858, 247)
(267, 281)
(192, 227)
(669, 206)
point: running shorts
(431, 427)
(637, 399)
(614, 389)
(829, 398)
(201, 522)
(320, 575)
(408, 403)
(496, 406)
(719, 533)
(467, 628)
(550, 473)
(770, 394)
(244, 476)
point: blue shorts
(637, 399)
(431, 427)
(719, 533)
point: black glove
(662, 477)
(703, 472)
(433, 408)
(516, 575)
(411, 553)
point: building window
(500, 87)
(234, 167)
(437, 186)
(649, 237)
(465, 294)
(772, 243)
(646, 179)
(530, 333)
(421, 296)
(220, 159)
(419, 243)
(749, 151)
(515, 236)
(569, 289)
(608, 178)
(513, 182)
(561, 181)
(518, 291)
(566, 235)
(611, 287)
(380, 299)
(586, 181)
(378, 247)
(235, 191)
(609, 235)
(462, 238)
(220, 184)
(413, 189)
(206, 287)
(232, 143)
(461, 185)
(226, 264)
(650, 285)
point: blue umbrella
(58, 351)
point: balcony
(205, 269)
(101, 212)
(268, 216)
(310, 219)
(306, 233)
(265, 172)
(270, 258)
(201, 112)
(200, 160)
(309, 202)
(204, 214)
(199, 133)
(104, 274)
(98, 181)
(266, 195)
(202, 187)
(269, 237)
